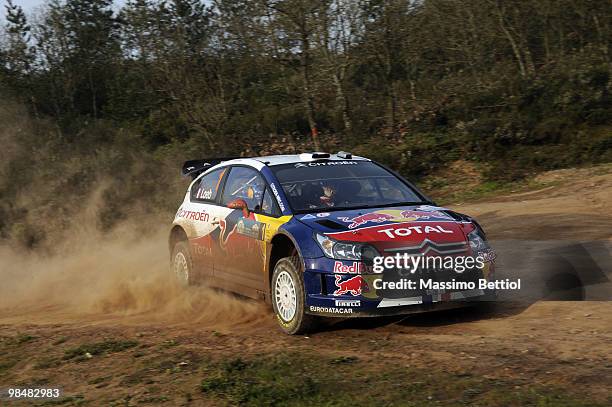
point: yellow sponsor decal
(272, 225)
(270, 230)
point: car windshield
(335, 185)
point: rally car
(302, 232)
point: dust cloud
(122, 276)
(75, 268)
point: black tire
(297, 322)
(181, 263)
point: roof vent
(345, 155)
(314, 156)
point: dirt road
(123, 335)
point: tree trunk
(342, 104)
(602, 38)
(92, 88)
(391, 111)
(306, 86)
(276, 52)
(512, 41)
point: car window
(269, 205)
(244, 183)
(208, 186)
(318, 186)
(392, 189)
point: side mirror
(239, 203)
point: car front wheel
(288, 296)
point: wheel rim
(285, 296)
(181, 270)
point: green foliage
(24, 338)
(178, 70)
(297, 380)
(414, 154)
(112, 96)
(259, 382)
(98, 348)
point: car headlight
(345, 250)
(477, 241)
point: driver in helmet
(328, 194)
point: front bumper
(351, 294)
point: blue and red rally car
(303, 231)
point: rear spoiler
(193, 168)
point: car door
(240, 264)
(202, 214)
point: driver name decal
(278, 198)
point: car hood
(392, 227)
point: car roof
(272, 160)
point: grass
(8, 362)
(60, 340)
(98, 348)
(301, 380)
(24, 338)
(291, 378)
(482, 191)
(447, 192)
(69, 400)
(9, 350)
(170, 343)
(99, 380)
(47, 363)
(260, 382)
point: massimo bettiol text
(407, 266)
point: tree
(18, 56)
(385, 35)
(296, 21)
(93, 43)
(337, 34)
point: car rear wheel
(288, 296)
(181, 263)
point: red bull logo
(354, 286)
(354, 268)
(389, 215)
(368, 217)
